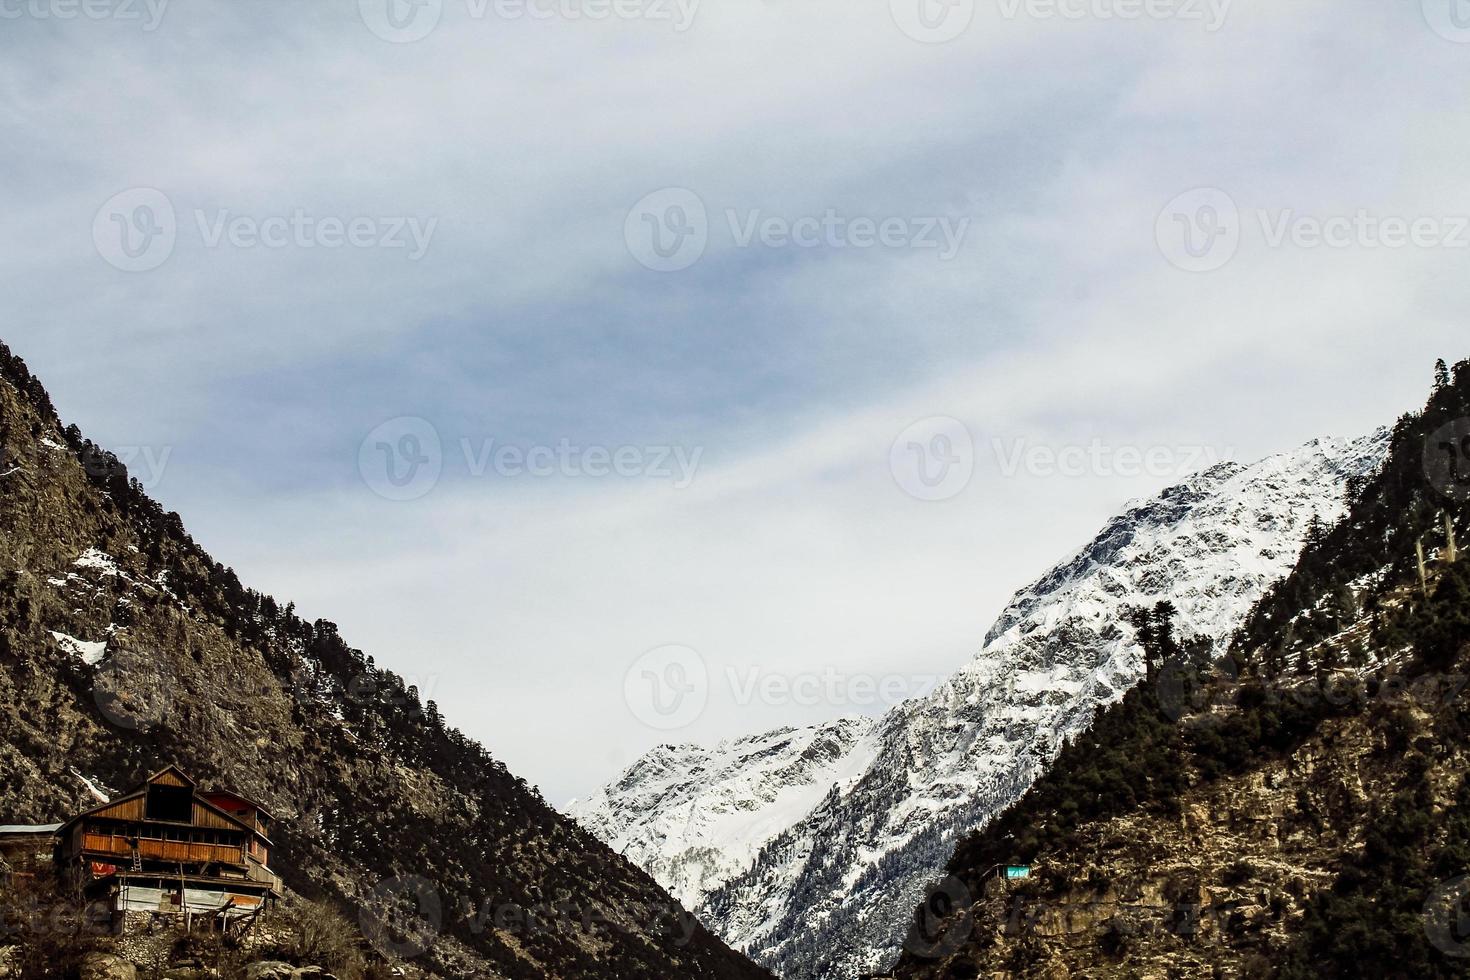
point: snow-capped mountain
(831, 895)
(693, 817)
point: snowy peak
(1210, 544)
(693, 816)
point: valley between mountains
(1229, 736)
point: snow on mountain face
(692, 817)
(831, 895)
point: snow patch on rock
(98, 561)
(92, 787)
(91, 653)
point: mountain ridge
(828, 896)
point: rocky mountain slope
(1299, 808)
(124, 646)
(693, 817)
(828, 895)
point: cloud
(529, 321)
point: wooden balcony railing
(164, 850)
(266, 876)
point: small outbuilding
(26, 849)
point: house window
(175, 803)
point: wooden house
(169, 849)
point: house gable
(171, 776)
(188, 806)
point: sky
(672, 370)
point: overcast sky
(795, 297)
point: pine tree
(1316, 531)
(1164, 614)
(1444, 625)
(1441, 375)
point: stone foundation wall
(147, 949)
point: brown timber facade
(170, 850)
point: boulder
(273, 970)
(106, 966)
(270, 970)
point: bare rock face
(831, 889)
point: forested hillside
(1297, 808)
(124, 646)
